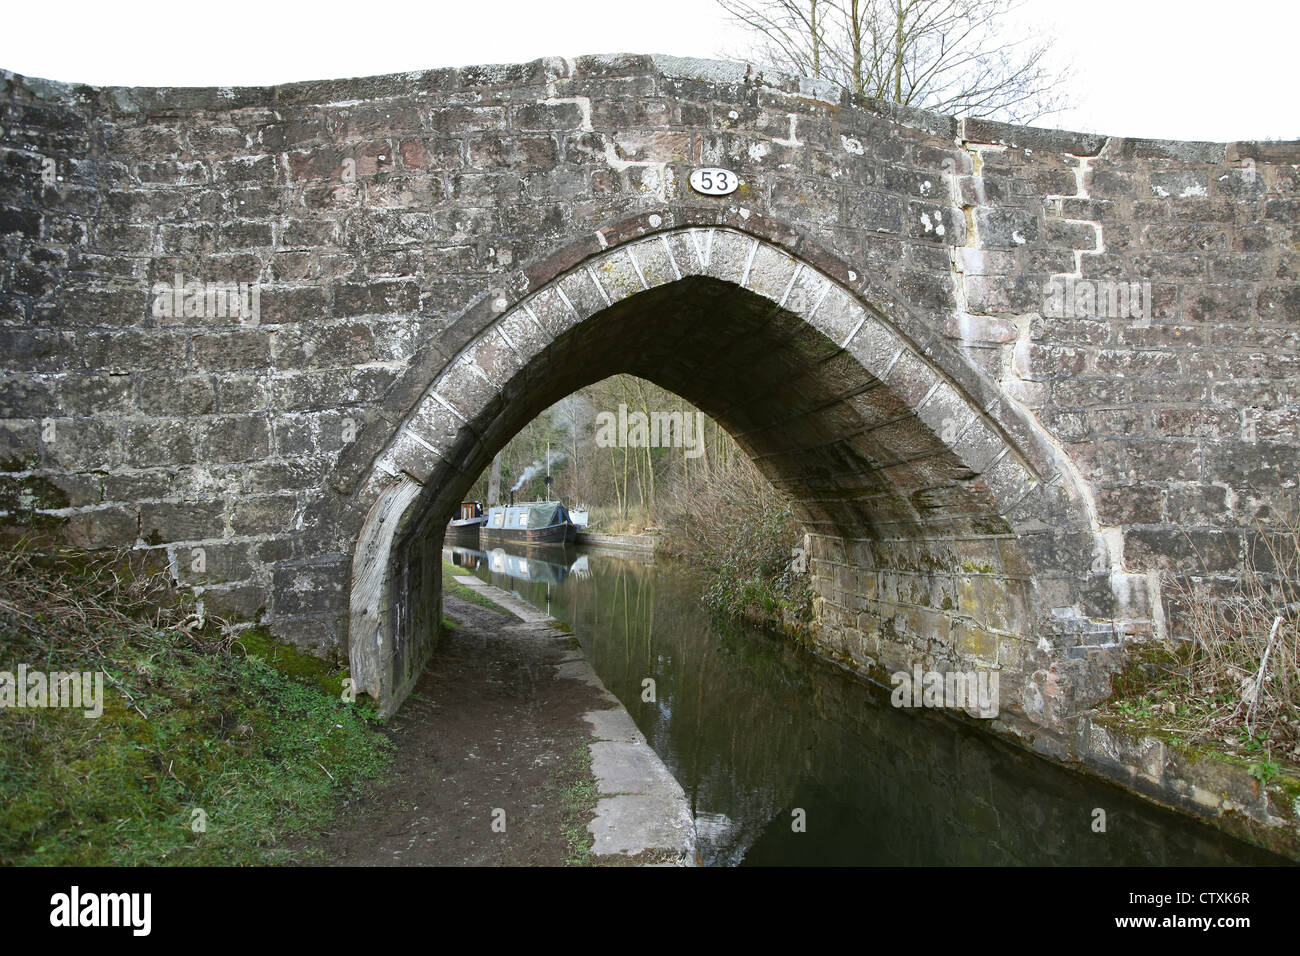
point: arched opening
(936, 529)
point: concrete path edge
(641, 808)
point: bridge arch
(947, 530)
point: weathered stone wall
(437, 256)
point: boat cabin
(468, 511)
(538, 521)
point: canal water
(787, 759)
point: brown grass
(702, 518)
(92, 595)
(1243, 663)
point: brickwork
(1009, 376)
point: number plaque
(714, 182)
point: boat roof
(538, 511)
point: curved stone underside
(935, 541)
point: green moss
(31, 493)
(1147, 666)
(293, 662)
(20, 464)
(989, 525)
(34, 521)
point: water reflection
(756, 729)
(549, 565)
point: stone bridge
(1009, 377)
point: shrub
(734, 524)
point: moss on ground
(292, 662)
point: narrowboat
(465, 526)
(538, 522)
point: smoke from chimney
(536, 467)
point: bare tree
(960, 57)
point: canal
(787, 759)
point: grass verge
(211, 747)
(453, 587)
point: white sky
(1180, 69)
